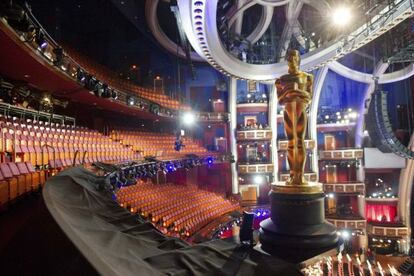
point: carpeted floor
(31, 243)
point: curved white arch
(237, 13)
(262, 26)
(166, 42)
(397, 75)
(405, 190)
(272, 3)
(350, 73)
(204, 12)
(369, 78)
(313, 113)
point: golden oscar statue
(294, 91)
(297, 229)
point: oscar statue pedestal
(297, 229)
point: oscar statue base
(297, 229)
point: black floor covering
(31, 243)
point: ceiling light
(341, 16)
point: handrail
(74, 158)
(43, 153)
(7, 108)
(84, 157)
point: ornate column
(232, 133)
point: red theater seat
(4, 190)
(11, 180)
(21, 179)
(29, 176)
(38, 176)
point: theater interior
(149, 137)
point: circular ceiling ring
(152, 20)
(272, 3)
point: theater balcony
(351, 187)
(282, 145)
(395, 230)
(309, 176)
(353, 222)
(252, 107)
(254, 134)
(341, 154)
(255, 168)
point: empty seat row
(111, 79)
(17, 179)
(174, 209)
(157, 144)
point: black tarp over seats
(119, 243)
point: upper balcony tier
(252, 107)
(255, 134)
(51, 69)
(309, 176)
(255, 168)
(396, 230)
(345, 187)
(341, 154)
(348, 222)
(282, 145)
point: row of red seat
(174, 209)
(43, 144)
(157, 144)
(17, 179)
(110, 78)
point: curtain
(381, 213)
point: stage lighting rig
(40, 39)
(58, 56)
(80, 76)
(130, 100)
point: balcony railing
(256, 168)
(252, 107)
(309, 176)
(345, 187)
(283, 144)
(348, 223)
(341, 154)
(256, 134)
(387, 229)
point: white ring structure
(166, 42)
(204, 37)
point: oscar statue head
(293, 60)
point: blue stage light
(170, 167)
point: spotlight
(341, 16)
(58, 56)
(170, 167)
(188, 118)
(80, 76)
(114, 94)
(40, 39)
(345, 235)
(258, 179)
(209, 160)
(98, 89)
(130, 100)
